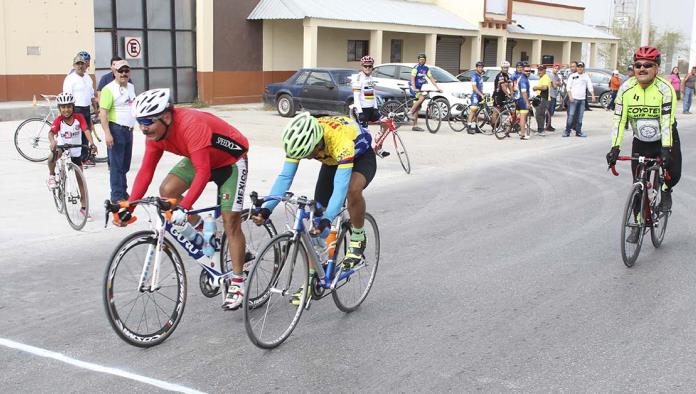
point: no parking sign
(133, 47)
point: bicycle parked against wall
(435, 110)
(31, 136)
(70, 194)
(145, 283)
(280, 273)
(643, 211)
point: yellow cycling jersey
(344, 140)
(650, 111)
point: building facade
(220, 51)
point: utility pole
(692, 41)
(645, 26)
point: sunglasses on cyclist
(366, 66)
(643, 65)
(146, 121)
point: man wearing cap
(578, 84)
(108, 77)
(80, 85)
(118, 121)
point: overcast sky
(665, 14)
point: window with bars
(357, 49)
(167, 31)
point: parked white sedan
(489, 74)
(395, 75)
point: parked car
(394, 75)
(317, 90)
(600, 84)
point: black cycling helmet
(519, 64)
(421, 56)
(479, 64)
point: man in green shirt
(118, 121)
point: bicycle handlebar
(288, 198)
(164, 205)
(658, 160)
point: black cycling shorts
(653, 149)
(365, 164)
(368, 115)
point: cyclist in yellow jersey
(647, 103)
(348, 165)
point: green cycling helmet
(301, 135)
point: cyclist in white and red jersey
(213, 150)
(67, 129)
(364, 100)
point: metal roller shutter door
(448, 53)
(490, 51)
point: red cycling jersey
(208, 141)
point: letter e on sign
(133, 47)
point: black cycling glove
(613, 155)
(666, 156)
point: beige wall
(469, 10)
(553, 48)
(548, 11)
(282, 40)
(576, 52)
(204, 35)
(59, 28)
(522, 46)
(332, 47)
(413, 44)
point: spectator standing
(676, 81)
(108, 77)
(614, 84)
(578, 84)
(554, 91)
(689, 82)
(542, 89)
(117, 121)
(80, 85)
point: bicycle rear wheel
(99, 140)
(31, 139)
(351, 291)
(283, 263)
(401, 152)
(433, 116)
(457, 119)
(659, 227)
(75, 197)
(504, 125)
(144, 317)
(632, 221)
(486, 126)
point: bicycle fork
(153, 257)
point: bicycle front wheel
(632, 223)
(433, 116)
(99, 140)
(144, 316)
(57, 194)
(401, 152)
(75, 197)
(354, 285)
(504, 125)
(278, 282)
(31, 139)
(458, 116)
(659, 227)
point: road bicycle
(643, 209)
(31, 136)
(435, 110)
(281, 272)
(508, 121)
(485, 115)
(391, 129)
(145, 284)
(70, 195)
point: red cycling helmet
(647, 53)
(367, 60)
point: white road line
(96, 367)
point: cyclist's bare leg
(523, 124)
(472, 114)
(174, 187)
(52, 156)
(356, 202)
(414, 110)
(235, 239)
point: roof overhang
(528, 26)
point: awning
(537, 25)
(375, 11)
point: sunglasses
(127, 71)
(643, 65)
(367, 66)
(146, 121)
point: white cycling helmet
(65, 98)
(301, 135)
(151, 103)
(505, 64)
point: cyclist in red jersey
(213, 150)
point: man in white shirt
(364, 100)
(578, 83)
(80, 85)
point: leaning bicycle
(392, 126)
(435, 111)
(278, 287)
(145, 286)
(643, 209)
(70, 195)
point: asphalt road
(500, 272)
